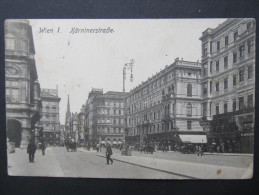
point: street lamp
(128, 66)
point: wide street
(89, 164)
(58, 162)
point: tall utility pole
(128, 66)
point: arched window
(172, 87)
(189, 109)
(189, 90)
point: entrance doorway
(14, 131)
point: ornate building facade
(23, 102)
(50, 116)
(104, 116)
(228, 62)
(166, 108)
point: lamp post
(128, 66)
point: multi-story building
(23, 101)
(228, 61)
(166, 109)
(105, 117)
(81, 126)
(50, 116)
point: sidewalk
(188, 169)
(214, 153)
(18, 164)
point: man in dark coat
(31, 149)
(43, 147)
(108, 154)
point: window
(241, 75)
(250, 101)
(204, 108)
(235, 35)
(119, 112)
(108, 111)
(250, 72)
(22, 44)
(241, 102)
(114, 121)
(108, 130)
(234, 57)
(189, 90)
(205, 49)
(205, 69)
(114, 103)
(234, 80)
(217, 109)
(9, 43)
(217, 66)
(225, 108)
(172, 87)
(225, 83)
(226, 41)
(225, 62)
(234, 105)
(12, 95)
(250, 45)
(189, 125)
(217, 86)
(241, 51)
(189, 109)
(114, 111)
(204, 89)
(211, 47)
(210, 86)
(211, 67)
(218, 45)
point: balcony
(167, 117)
(16, 52)
(167, 97)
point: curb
(228, 154)
(178, 174)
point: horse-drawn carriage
(70, 145)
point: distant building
(228, 61)
(105, 117)
(81, 126)
(23, 101)
(166, 109)
(50, 116)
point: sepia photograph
(130, 98)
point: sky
(78, 62)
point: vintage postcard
(130, 98)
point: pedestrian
(43, 147)
(218, 149)
(108, 154)
(31, 149)
(200, 150)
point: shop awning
(102, 142)
(195, 139)
(119, 142)
(114, 142)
